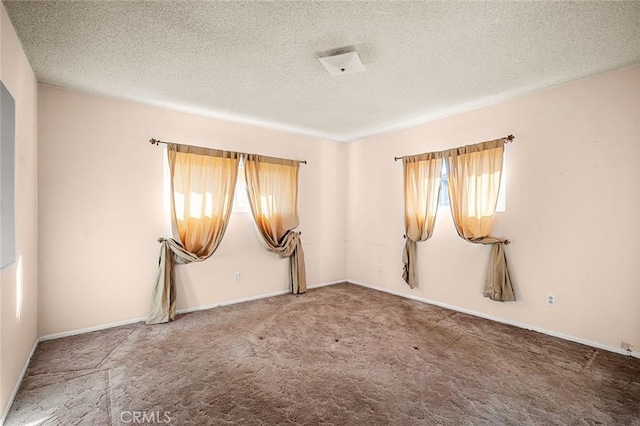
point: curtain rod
(155, 141)
(506, 139)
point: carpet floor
(338, 355)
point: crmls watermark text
(145, 417)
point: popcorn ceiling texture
(337, 355)
(257, 62)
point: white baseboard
(90, 329)
(501, 320)
(232, 302)
(5, 412)
(328, 283)
(179, 311)
(250, 298)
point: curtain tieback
(489, 241)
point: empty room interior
(406, 213)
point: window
(443, 199)
(240, 198)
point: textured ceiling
(256, 62)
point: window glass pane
(443, 199)
(240, 199)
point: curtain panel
(202, 186)
(272, 187)
(474, 174)
(421, 183)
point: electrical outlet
(236, 277)
(379, 267)
(551, 300)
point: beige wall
(18, 282)
(572, 211)
(573, 192)
(101, 211)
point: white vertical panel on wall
(7, 177)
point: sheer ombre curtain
(474, 174)
(202, 186)
(421, 191)
(272, 186)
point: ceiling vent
(345, 63)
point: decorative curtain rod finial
(509, 138)
(154, 141)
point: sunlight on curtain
(478, 185)
(444, 190)
(196, 177)
(475, 172)
(202, 183)
(272, 187)
(268, 205)
(474, 183)
(199, 205)
(178, 202)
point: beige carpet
(339, 355)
